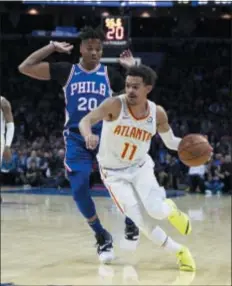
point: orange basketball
(194, 150)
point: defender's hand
(62, 47)
(126, 59)
(7, 154)
(91, 141)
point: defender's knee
(81, 194)
(79, 182)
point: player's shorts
(77, 157)
(132, 185)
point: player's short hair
(91, 33)
(148, 75)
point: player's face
(91, 51)
(136, 90)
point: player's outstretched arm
(35, 67)
(165, 131)
(7, 113)
(109, 110)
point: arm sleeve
(9, 133)
(170, 140)
(60, 72)
(116, 80)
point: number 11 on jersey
(129, 150)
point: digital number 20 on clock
(116, 28)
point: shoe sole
(187, 268)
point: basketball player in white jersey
(7, 129)
(129, 122)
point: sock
(96, 226)
(160, 238)
(128, 221)
(171, 245)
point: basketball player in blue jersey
(86, 85)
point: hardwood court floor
(45, 241)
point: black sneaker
(105, 247)
(131, 232)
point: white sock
(171, 245)
(160, 238)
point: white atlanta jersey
(126, 140)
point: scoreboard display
(116, 29)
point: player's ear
(149, 88)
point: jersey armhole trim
(108, 81)
(69, 77)
(155, 117)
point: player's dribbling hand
(7, 154)
(62, 47)
(91, 141)
(126, 59)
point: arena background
(44, 238)
(188, 43)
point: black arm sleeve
(60, 72)
(117, 81)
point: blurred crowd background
(192, 56)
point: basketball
(194, 150)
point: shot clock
(116, 29)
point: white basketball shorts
(132, 185)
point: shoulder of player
(5, 103)
(61, 66)
(112, 108)
(60, 71)
(109, 68)
(114, 102)
(161, 115)
(111, 71)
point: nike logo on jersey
(133, 132)
(85, 87)
(101, 73)
(150, 119)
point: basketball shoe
(131, 232)
(179, 219)
(185, 260)
(105, 247)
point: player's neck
(140, 111)
(88, 66)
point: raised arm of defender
(165, 131)
(109, 110)
(34, 66)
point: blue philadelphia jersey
(85, 91)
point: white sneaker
(105, 247)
